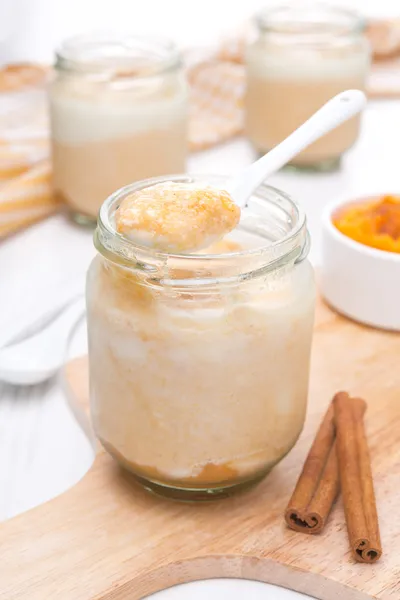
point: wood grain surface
(107, 539)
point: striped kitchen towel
(25, 171)
(26, 198)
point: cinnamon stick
(356, 479)
(318, 484)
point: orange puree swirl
(374, 223)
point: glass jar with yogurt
(118, 109)
(303, 55)
(199, 362)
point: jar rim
(117, 54)
(305, 19)
(293, 246)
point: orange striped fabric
(26, 199)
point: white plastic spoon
(43, 317)
(38, 358)
(332, 114)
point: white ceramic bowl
(358, 281)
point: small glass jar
(199, 363)
(303, 56)
(118, 110)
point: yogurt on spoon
(177, 217)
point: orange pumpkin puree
(375, 223)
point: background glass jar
(118, 108)
(303, 55)
(199, 364)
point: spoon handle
(332, 114)
(62, 326)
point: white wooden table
(42, 449)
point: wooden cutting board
(107, 539)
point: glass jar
(118, 110)
(199, 363)
(303, 56)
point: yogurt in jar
(199, 362)
(118, 111)
(301, 58)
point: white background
(32, 28)
(42, 451)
